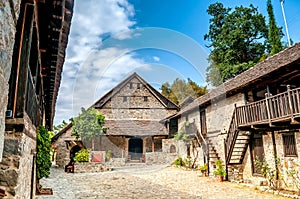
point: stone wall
(115, 162)
(9, 12)
(62, 152)
(89, 167)
(219, 113)
(17, 164)
(245, 170)
(218, 118)
(181, 150)
(116, 144)
(160, 158)
(135, 103)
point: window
(289, 145)
(138, 85)
(124, 98)
(130, 85)
(145, 98)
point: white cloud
(156, 58)
(93, 20)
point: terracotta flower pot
(220, 178)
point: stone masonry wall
(8, 22)
(160, 158)
(218, 118)
(90, 167)
(135, 106)
(285, 162)
(17, 164)
(62, 152)
(116, 144)
(181, 150)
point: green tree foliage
(43, 162)
(181, 89)
(88, 124)
(60, 126)
(275, 33)
(237, 38)
(181, 134)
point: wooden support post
(268, 108)
(235, 118)
(291, 107)
(152, 144)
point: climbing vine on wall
(43, 162)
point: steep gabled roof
(61, 132)
(259, 72)
(164, 101)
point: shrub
(108, 155)
(82, 156)
(203, 168)
(43, 161)
(188, 162)
(220, 171)
(179, 162)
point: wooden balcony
(281, 111)
(277, 109)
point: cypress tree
(274, 31)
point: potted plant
(220, 171)
(203, 169)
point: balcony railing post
(290, 101)
(268, 108)
(235, 117)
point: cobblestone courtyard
(144, 182)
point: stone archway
(73, 151)
(135, 148)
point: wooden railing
(32, 107)
(231, 136)
(279, 107)
(272, 108)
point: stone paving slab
(144, 182)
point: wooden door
(203, 123)
(257, 152)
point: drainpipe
(275, 155)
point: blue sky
(159, 39)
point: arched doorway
(74, 150)
(135, 148)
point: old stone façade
(215, 114)
(27, 76)
(133, 111)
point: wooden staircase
(239, 148)
(236, 142)
(278, 112)
(213, 154)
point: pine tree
(274, 32)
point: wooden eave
(53, 20)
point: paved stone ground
(144, 182)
